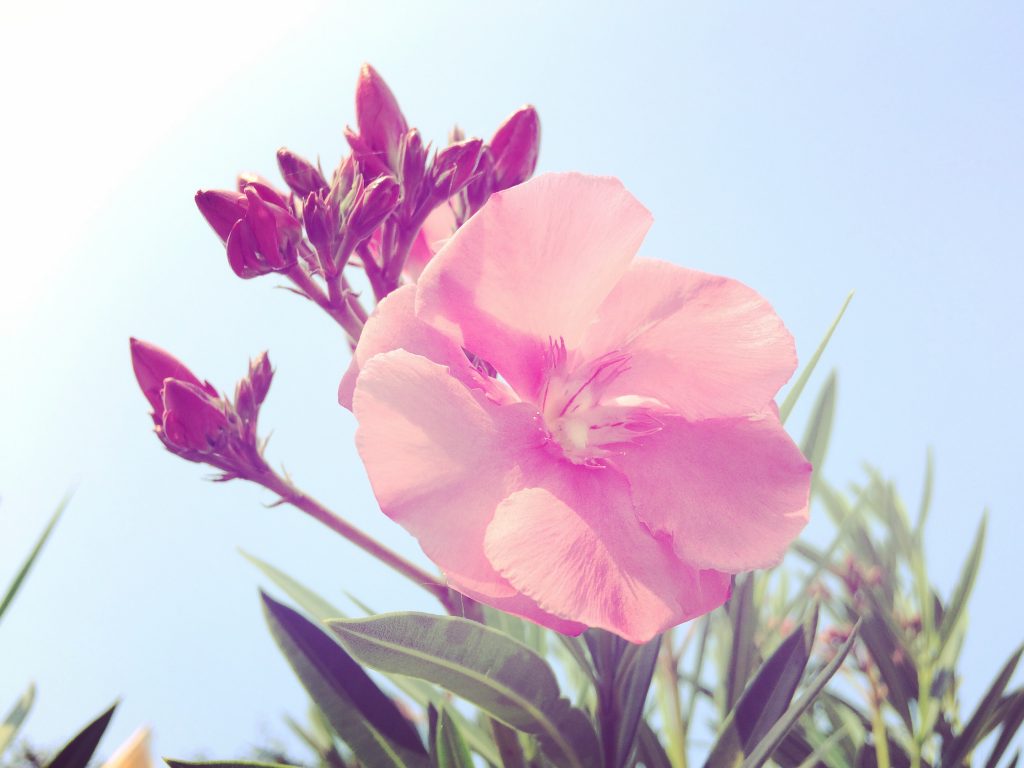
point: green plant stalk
(880, 737)
(669, 703)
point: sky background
(805, 148)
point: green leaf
(766, 699)
(1011, 722)
(360, 713)
(632, 683)
(926, 496)
(819, 427)
(448, 750)
(77, 752)
(794, 394)
(487, 668)
(743, 657)
(222, 764)
(306, 598)
(958, 601)
(777, 732)
(975, 730)
(19, 578)
(14, 719)
(649, 750)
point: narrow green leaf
(743, 657)
(794, 394)
(14, 719)
(649, 750)
(360, 713)
(77, 752)
(447, 747)
(500, 675)
(955, 608)
(307, 599)
(766, 699)
(926, 496)
(221, 764)
(777, 732)
(1011, 724)
(975, 731)
(19, 577)
(632, 683)
(819, 427)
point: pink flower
(627, 459)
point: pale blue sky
(806, 149)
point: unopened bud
(263, 188)
(260, 374)
(301, 176)
(412, 165)
(380, 120)
(376, 203)
(481, 186)
(153, 366)
(192, 420)
(221, 208)
(277, 232)
(515, 147)
(455, 165)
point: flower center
(580, 420)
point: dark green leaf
(11, 724)
(361, 714)
(19, 577)
(777, 733)
(766, 699)
(448, 750)
(500, 675)
(1011, 722)
(819, 427)
(77, 752)
(958, 601)
(975, 729)
(306, 598)
(743, 657)
(794, 394)
(648, 748)
(632, 682)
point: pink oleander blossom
(628, 457)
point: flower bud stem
(300, 500)
(340, 310)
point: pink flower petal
(579, 551)
(532, 265)
(706, 346)
(393, 325)
(731, 493)
(440, 458)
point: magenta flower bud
(260, 374)
(381, 123)
(321, 230)
(515, 147)
(221, 208)
(152, 366)
(481, 186)
(276, 231)
(192, 420)
(301, 176)
(378, 200)
(455, 165)
(264, 189)
(412, 163)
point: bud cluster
(373, 207)
(194, 421)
